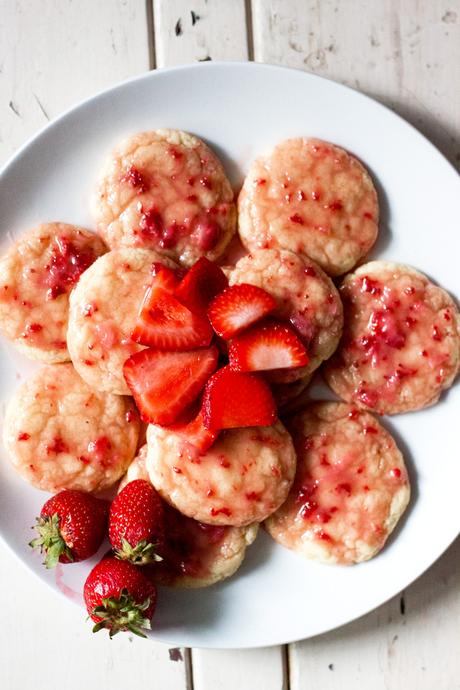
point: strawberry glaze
(66, 264)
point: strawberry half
(163, 384)
(238, 307)
(136, 523)
(118, 596)
(196, 433)
(234, 400)
(163, 322)
(267, 346)
(202, 283)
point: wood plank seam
(150, 17)
(188, 660)
(249, 29)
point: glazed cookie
(36, 275)
(195, 555)
(350, 489)
(103, 311)
(313, 198)
(166, 190)
(401, 344)
(306, 297)
(61, 434)
(244, 477)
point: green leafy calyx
(50, 540)
(122, 613)
(143, 553)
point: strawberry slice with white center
(233, 400)
(238, 307)
(163, 384)
(164, 323)
(271, 345)
(196, 433)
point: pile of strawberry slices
(207, 346)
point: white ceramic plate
(242, 110)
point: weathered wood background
(405, 53)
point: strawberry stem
(141, 554)
(50, 541)
(122, 614)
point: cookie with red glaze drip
(401, 343)
(313, 198)
(166, 190)
(242, 478)
(61, 434)
(351, 486)
(36, 276)
(199, 555)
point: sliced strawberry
(165, 277)
(201, 284)
(271, 345)
(196, 433)
(238, 307)
(164, 323)
(234, 400)
(164, 383)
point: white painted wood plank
(47, 637)
(47, 643)
(407, 643)
(405, 53)
(52, 54)
(199, 30)
(248, 669)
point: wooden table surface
(405, 53)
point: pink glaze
(65, 589)
(135, 179)
(315, 199)
(100, 449)
(345, 484)
(66, 265)
(107, 334)
(400, 342)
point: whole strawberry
(136, 525)
(118, 596)
(71, 527)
